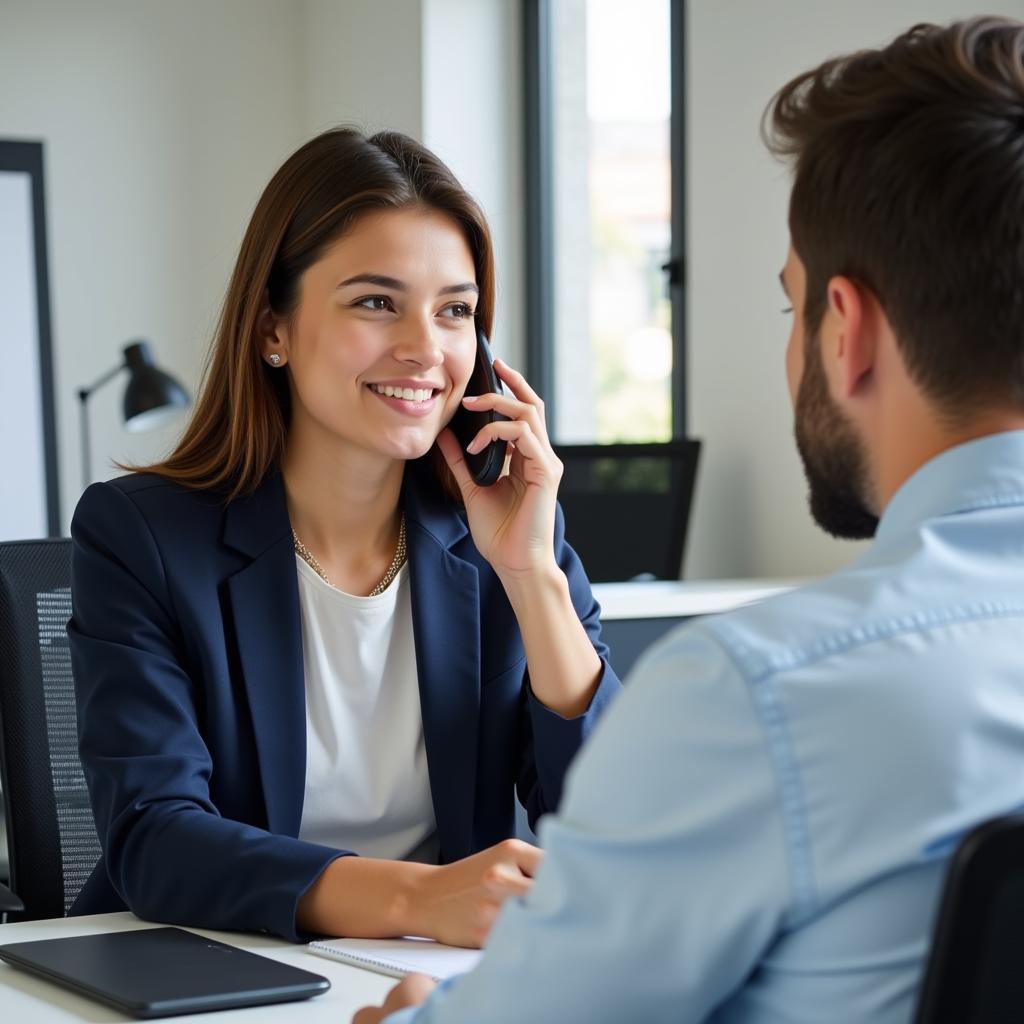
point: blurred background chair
(627, 507)
(974, 972)
(51, 838)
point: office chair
(51, 837)
(627, 507)
(974, 972)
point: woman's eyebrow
(383, 281)
(467, 287)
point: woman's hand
(513, 520)
(412, 990)
(458, 903)
(455, 903)
(513, 527)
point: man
(759, 830)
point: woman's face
(382, 343)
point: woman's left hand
(513, 520)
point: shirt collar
(984, 473)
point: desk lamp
(151, 398)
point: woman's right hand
(362, 897)
(458, 903)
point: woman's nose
(417, 344)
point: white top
(367, 788)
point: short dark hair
(909, 178)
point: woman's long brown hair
(237, 432)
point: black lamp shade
(151, 397)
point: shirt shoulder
(948, 572)
(684, 717)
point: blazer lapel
(446, 626)
(264, 599)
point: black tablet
(159, 972)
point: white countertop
(680, 598)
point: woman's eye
(787, 310)
(377, 303)
(458, 311)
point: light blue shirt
(758, 830)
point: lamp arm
(83, 420)
(84, 393)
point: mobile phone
(485, 466)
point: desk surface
(682, 598)
(25, 999)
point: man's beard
(834, 459)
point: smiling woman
(308, 634)
(378, 371)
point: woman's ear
(272, 334)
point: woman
(308, 633)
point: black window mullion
(540, 253)
(678, 267)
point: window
(604, 198)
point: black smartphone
(485, 467)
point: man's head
(907, 212)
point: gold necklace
(396, 563)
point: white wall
(362, 64)
(161, 123)
(750, 516)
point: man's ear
(272, 335)
(851, 320)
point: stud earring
(275, 359)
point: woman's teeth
(409, 394)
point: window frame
(540, 213)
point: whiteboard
(28, 499)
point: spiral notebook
(399, 957)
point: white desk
(25, 999)
(681, 598)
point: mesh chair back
(627, 506)
(51, 836)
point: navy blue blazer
(187, 658)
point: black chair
(51, 837)
(627, 507)
(975, 971)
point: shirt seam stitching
(760, 672)
(759, 666)
(771, 716)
